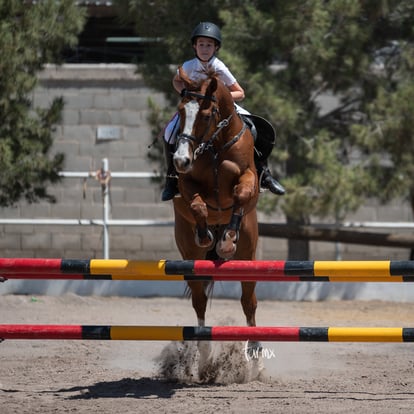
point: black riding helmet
(206, 29)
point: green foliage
(30, 36)
(289, 56)
(391, 133)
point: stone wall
(108, 98)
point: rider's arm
(178, 84)
(237, 92)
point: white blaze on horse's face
(183, 156)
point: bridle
(191, 138)
(208, 145)
(186, 93)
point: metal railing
(104, 175)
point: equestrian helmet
(206, 29)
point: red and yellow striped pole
(214, 333)
(231, 270)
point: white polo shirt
(197, 70)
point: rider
(206, 41)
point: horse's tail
(208, 284)
(208, 289)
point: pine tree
(292, 55)
(31, 34)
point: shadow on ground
(127, 388)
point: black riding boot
(171, 181)
(267, 181)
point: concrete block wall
(115, 96)
(95, 96)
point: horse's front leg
(227, 245)
(203, 236)
(243, 193)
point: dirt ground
(133, 377)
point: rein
(186, 93)
(204, 146)
(208, 146)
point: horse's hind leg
(249, 302)
(249, 305)
(199, 300)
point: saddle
(263, 133)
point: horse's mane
(211, 73)
(196, 84)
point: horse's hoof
(226, 247)
(206, 241)
(226, 254)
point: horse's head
(199, 114)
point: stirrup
(260, 178)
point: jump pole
(213, 333)
(231, 270)
(216, 278)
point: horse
(218, 186)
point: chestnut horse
(218, 184)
